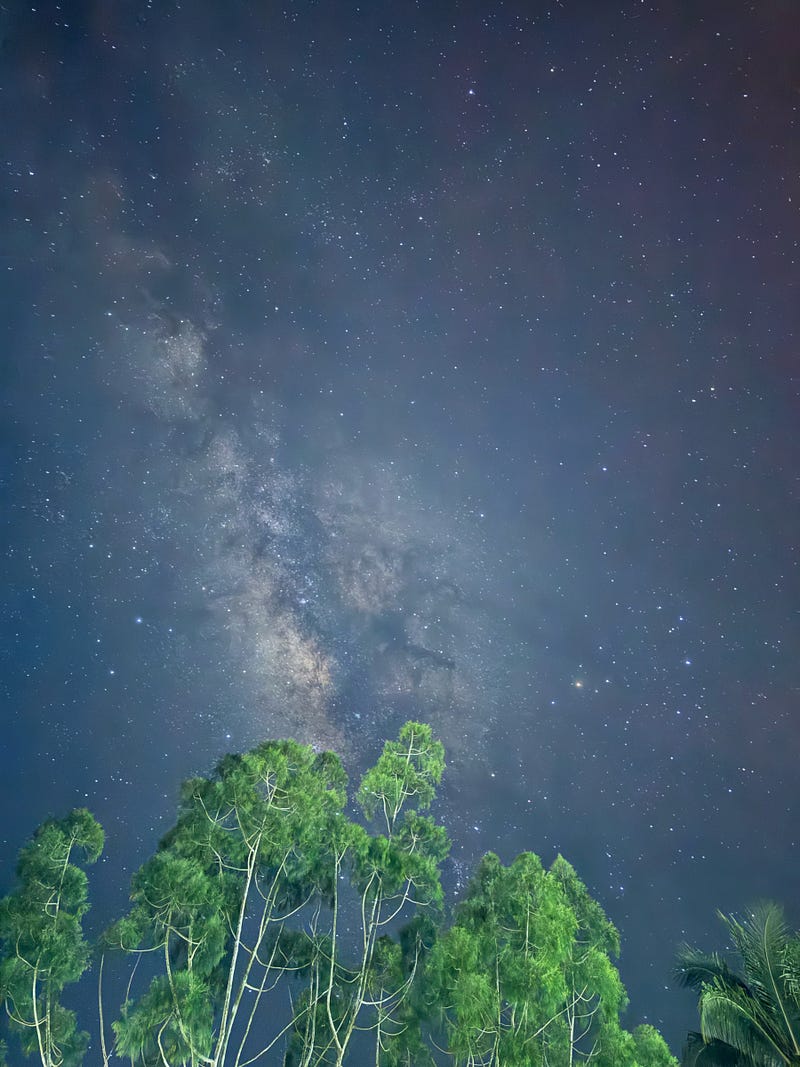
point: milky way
(382, 362)
(341, 594)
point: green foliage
(42, 948)
(253, 845)
(751, 1017)
(269, 925)
(405, 777)
(523, 975)
(392, 873)
(651, 1048)
(700, 1053)
(250, 887)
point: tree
(392, 873)
(748, 1017)
(260, 880)
(523, 976)
(251, 849)
(42, 948)
(595, 994)
(651, 1048)
(278, 921)
(493, 977)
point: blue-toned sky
(412, 359)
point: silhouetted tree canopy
(283, 919)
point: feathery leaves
(749, 1018)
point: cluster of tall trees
(283, 921)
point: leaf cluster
(42, 948)
(265, 886)
(524, 974)
(750, 1014)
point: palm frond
(735, 1017)
(791, 970)
(694, 969)
(763, 942)
(700, 1053)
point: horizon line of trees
(272, 926)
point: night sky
(431, 360)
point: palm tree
(751, 1017)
